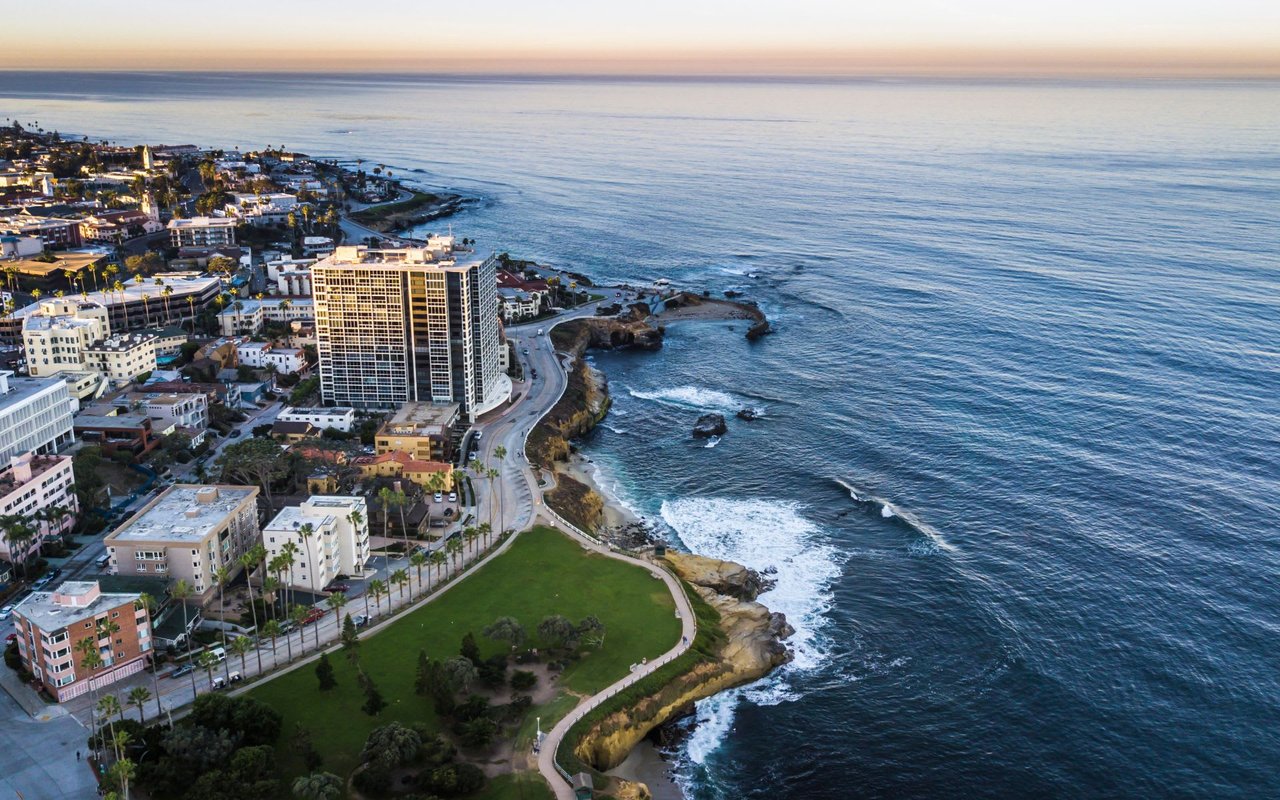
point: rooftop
(53, 610)
(420, 419)
(336, 411)
(291, 518)
(201, 222)
(122, 341)
(183, 513)
(182, 283)
(14, 390)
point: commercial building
(57, 336)
(331, 533)
(425, 431)
(122, 357)
(138, 305)
(408, 324)
(188, 532)
(202, 232)
(339, 418)
(52, 625)
(35, 415)
(32, 484)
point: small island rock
(709, 425)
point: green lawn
(543, 573)
(522, 786)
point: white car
(439, 497)
(453, 497)
(6, 612)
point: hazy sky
(1227, 36)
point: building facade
(341, 419)
(122, 357)
(202, 232)
(35, 415)
(51, 627)
(30, 485)
(188, 532)
(407, 324)
(423, 430)
(57, 336)
(331, 534)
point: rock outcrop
(751, 645)
(709, 425)
(748, 414)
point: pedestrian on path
(77, 755)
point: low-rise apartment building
(52, 625)
(35, 415)
(248, 316)
(423, 430)
(261, 355)
(116, 431)
(122, 357)
(331, 533)
(397, 464)
(202, 232)
(338, 418)
(188, 532)
(58, 334)
(29, 485)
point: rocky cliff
(747, 646)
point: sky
(1227, 37)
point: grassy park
(543, 573)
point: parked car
(439, 497)
(313, 615)
(183, 670)
(453, 497)
(359, 620)
(54, 573)
(41, 583)
(234, 433)
(338, 587)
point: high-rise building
(35, 415)
(408, 324)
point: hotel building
(408, 324)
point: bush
(523, 680)
(453, 780)
(374, 779)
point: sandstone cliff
(746, 646)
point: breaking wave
(932, 540)
(772, 537)
(692, 397)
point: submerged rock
(709, 425)
(748, 414)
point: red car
(313, 615)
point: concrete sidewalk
(38, 756)
(25, 697)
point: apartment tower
(408, 325)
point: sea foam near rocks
(770, 537)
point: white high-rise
(408, 324)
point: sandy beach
(615, 513)
(708, 310)
(646, 765)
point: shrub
(523, 680)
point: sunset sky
(717, 36)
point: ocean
(1016, 473)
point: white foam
(933, 541)
(712, 442)
(692, 397)
(887, 511)
(764, 535)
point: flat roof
(183, 284)
(23, 388)
(291, 518)
(184, 513)
(71, 261)
(424, 414)
(40, 610)
(328, 412)
(202, 222)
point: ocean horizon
(1017, 466)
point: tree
(336, 601)
(478, 733)
(108, 709)
(220, 577)
(418, 560)
(253, 461)
(377, 588)
(182, 591)
(250, 561)
(303, 747)
(454, 547)
(350, 639)
(241, 645)
(123, 771)
(591, 631)
(207, 662)
(271, 629)
(254, 722)
(393, 745)
(400, 577)
(373, 700)
(506, 629)
(556, 630)
(324, 673)
(147, 602)
(470, 650)
(138, 697)
(459, 672)
(438, 558)
(298, 615)
(387, 498)
(319, 786)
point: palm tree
(400, 577)
(207, 662)
(146, 310)
(250, 561)
(118, 288)
(454, 546)
(306, 532)
(298, 613)
(357, 520)
(401, 500)
(485, 531)
(336, 601)
(147, 602)
(165, 293)
(220, 576)
(108, 707)
(138, 697)
(437, 560)
(270, 586)
(241, 645)
(418, 560)
(387, 498)
(491, 473)
(272, 628)
(91, 662)
(471, 534)
(377, 588)
(290, 552)
(191, 304)
(182, 591)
